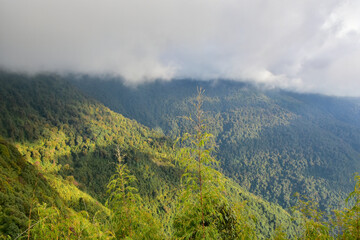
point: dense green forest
(273, 143)
(73, 169)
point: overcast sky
(299, 44)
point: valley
(61, 137)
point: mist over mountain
(299, 45)
(179, 119)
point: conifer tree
(203, 211)
(129, 217)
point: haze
(302, 45)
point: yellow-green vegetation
(67, 166)
(35, 204)
(54, 126)
(203, 209)
(130, 217)
(342, 223)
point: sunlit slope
(73, 139)
(53, 123)
(274, 143)
(33, 197)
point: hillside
(273, 143)
(59, 155)
(51, 205)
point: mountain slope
(273, 143)
(52, 122)
(30, 196)
(72, 139)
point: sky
(301, 45)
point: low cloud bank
(303, 45)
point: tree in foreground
(314, 221)
(348, 220)
(203, 209)
(343, 224)
(130, 219)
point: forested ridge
(273, 143)
(73, 169)
(60, 151)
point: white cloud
(300, 44)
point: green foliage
(53, 225)
(129, 218)
(341, 224)
(203, 210)
(36, 204)
(67, 149)
(17, 187)
(348, 219)
(314, 221)
(279, 234)
(273, 143)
